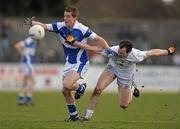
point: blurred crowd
(6, 31)
(145, 35)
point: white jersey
(124, 68)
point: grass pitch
(150, 111)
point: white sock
(132, 89)
(88, 113)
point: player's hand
(171, 49)
(28, 21)
(70, 40)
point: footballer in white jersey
(121, 65)
(124, 68)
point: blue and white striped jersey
(81, 32)
(29, 47)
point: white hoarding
(49, 77)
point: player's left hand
(28, 21)
(171, 49)
(70, 40)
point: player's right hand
(28, 21)
(171, 49)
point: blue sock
(28, 99)
(72, 110)
(80, 88)
(20, 99)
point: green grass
(150, 111)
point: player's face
(122, 52)
(69, 19)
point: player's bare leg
(26, 90)
(125, 96)
(105, 79)
(69, 84)
(29, 90)
(22, 91)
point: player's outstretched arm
(162, 52)
(73, 42)
(87, 46)
(100, 42)
(31, 22)
(40, 23)
(157, 52)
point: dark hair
(74, 10)
(126, 44)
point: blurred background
(149, 23)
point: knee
(124, 105)
(97, 91)
(65, 92)
(67, 85)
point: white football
(36, 32)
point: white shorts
(122, 79)
(80, 68)
(27, 69)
